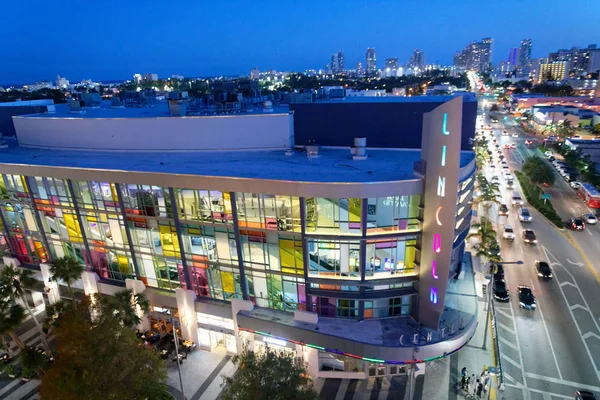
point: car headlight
(540, 274)
(549, 275)
(522, 304)
(533, 305)
(535, 241)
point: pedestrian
(463, 372)
(472, 383)
(479, 389)
(463, 382)
(476, 384)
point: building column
(188, 319)
(305, 253)
(136, 267)
(242, 338)
(90, 282)
(238, 245)
(174, 207)
(138, 287)
(88, 259)
(12, 261)
(364, 212)
(50, 285)
(38, 219)
(7, 233)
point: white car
(590, 219)
(515, 135)
(508, 233)
(507, 175)
(504, 133)
(575, 184)
(495, 179)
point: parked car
(575, 184)
(529, 236)
(543, 269)
(526, 297)
(590, 219)
(576, 224)
(501, 290)
(503, 210)
(508, 233)
(524, 215)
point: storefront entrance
(381, 370)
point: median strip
(532, 194)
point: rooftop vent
(312, 151)
(359, 151)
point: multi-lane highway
(550, 352)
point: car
(548, 154)
(526, 297)
(498, 271)
(510, 183)
(516, 199)
(529, 236)
(492, 166)
(503, 210)
(575, 184)
(513, 145)
(494, 251)
(528, 142)
(494, 119)
(576, 224)
(500, 290)
(501, 157)
(524, 215)
(504, 133)
(497, 146)
(515, 135)
(508, 175)
(543, 269)
(508, 233)
(590, 219)
(507, 146)
(575, 137)
(495, 179)
(584, 395)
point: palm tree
(487, 239)
(123, 305)
(68, 270)
(11, 317)
(17, 282)
(565, 129)
(488, 191)
(538, 171)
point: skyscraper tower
(340, 60)
(524, 56)
(371, 62)
(359, 67)
(417, 60)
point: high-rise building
(417, 60)
(371, 62)
(524, 55)
(337, 62)
(254, 73)
(241, 240)
(582, 61)
(391, 63)
(359, 67)
(341, 62)
(476, 56)
(61, 82)
(150, 77)
(513, 58)
(553, 71)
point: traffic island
(533, 194)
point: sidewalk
(442, 375)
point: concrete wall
(7, 112)
(384, 124)
(157, 134)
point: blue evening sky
(113, 39)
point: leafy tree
(268, 375)
(33, 362)
(565, 129)
(16, 282)
(487, 242)
(68, 270)
(99, 358)
(123, 306)
(11, 317)
(488, 191)
(538, 171)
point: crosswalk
(387, 388)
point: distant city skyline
(97, 42)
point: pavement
(552, 351)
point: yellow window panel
(73, 228)
(123, 264)
(409, 257)
(227, 281)
(354, 210)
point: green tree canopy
(268, 375)
(98, 358)
(68, 270)
(538, 171)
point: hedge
(532, 194)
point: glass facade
(212, 240)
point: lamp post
(170, 314)
(489, 297)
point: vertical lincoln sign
(441, 151)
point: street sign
(546, 196)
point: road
(552, 351)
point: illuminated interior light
(444, 131)
(434, 269)
(375, 360)
(437, 216)
(441, 188)
(443, 156)
(437, 243)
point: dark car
(526, 297)
(500, 290)
(543, 269)
(576, 224)
(584, 395)
(503, 210)
(498, 271)
(529, 236)
(494, 252)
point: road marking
(533, 287)
(589, 335)
(506, 328)
(12, 384)
(510, 360)
(583, 257)
(567, 283)
(575, 263)
(576, 306)
(548, 336)
(510, 378)
(549, 396)
(587, 349)
(509, 344)
(589, 231)
(562, 382)
(501, 311)
(522, 366)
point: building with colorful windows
(352, 257)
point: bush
(532, 194)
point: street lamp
(489, 297)
(170, 314)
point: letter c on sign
(437, 243)
(437, 215)
(434, 269)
